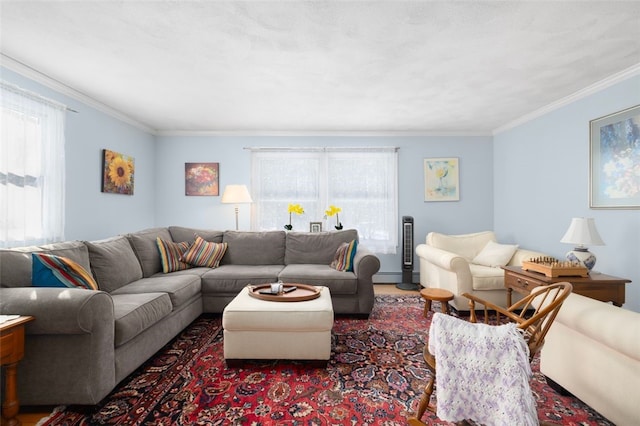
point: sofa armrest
(442, 269)
(365, 263)
(70, 345)
(58, 310)
(610, 326)
(443, 259)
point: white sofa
(446, 262)
(593, 351)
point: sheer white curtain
(361, 181)
(31, 168)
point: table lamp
(582, 231)
(236, 194)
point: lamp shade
(582, 231)
(236, 194)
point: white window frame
(365, 187)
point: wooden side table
(12, 351)
(605, 288)
(436, 294)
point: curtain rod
(34, 96)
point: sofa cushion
(113, 263)
(145, 246)
(135, 313)
(204, 253)
(181, 288)
(494, 254)
(315, 247)
(180, 233)
(19, 274)
(322, 275)
(343, 259)
(194, 270)
(465, 245)
(230, 279)
(486, 277)
(171, 254)
(50, 270)
(254, 248)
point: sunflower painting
(117, 173)
(201, 178)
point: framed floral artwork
(614, 155)
(118, 172)
(201, 178)
(441, 182)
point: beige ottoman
(260, 329)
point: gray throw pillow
(254, 248)
(146, 248)
(180, 234)
(113, 263)
(316, 247)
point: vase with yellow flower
(293, 208)
(334, 211)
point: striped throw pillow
(205, 253)
(48, 270)
(171, 254)
(343, 259)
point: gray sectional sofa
(84, 342)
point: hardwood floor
(31, 419)
(391, 289)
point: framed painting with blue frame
(614, 156)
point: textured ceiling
(338, 66)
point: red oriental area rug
(375, 377)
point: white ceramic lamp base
(583, 256)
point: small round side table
(436, 294)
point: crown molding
(334, 133)
(50, 82)
(580, 94)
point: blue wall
(526, 182)
(91, 214)
(541, 171)
(473, 212)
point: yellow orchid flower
(333, 210)
(293, 208)
(296, 208)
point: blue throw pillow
(49, 270)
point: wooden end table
(605, 288)
(12, 351)
(436, 294)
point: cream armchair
(469, 263)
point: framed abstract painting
(201, 178)
(614, 155)
(118, 172)
(441, 181)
